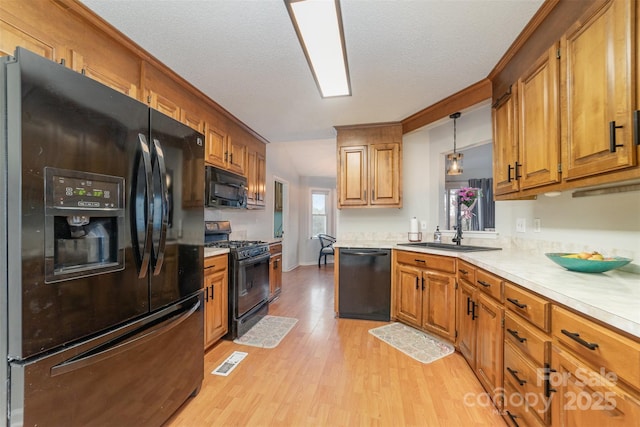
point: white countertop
(208, 252)
(612, 297)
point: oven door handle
(254, 260)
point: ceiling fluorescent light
(318, 24)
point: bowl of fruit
(587, 262)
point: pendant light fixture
(454, 160)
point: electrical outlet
(423, 225)
(536, 225)
(521, 225)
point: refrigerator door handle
(163, 196)
(114, 347)
(142, 208)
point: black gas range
(248, 276)
(216, 235)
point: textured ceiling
(403, 55)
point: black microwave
(224, 189)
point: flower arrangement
(468, 196)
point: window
(477, 163)
(320, 212)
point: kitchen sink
(450, 247)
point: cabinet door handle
(468, 305)
(473, 311)
(373, 194)
(576, 337)
(465, 272)
(513, 419)
(420, 261)
(509, 169)
(514, 374)
(515, 335)
(423, 283)
(483, 283)
(517, 174)
(516, 303)
(417, 283)
(226, 156)
(612, 136)
(636, 127)
(547, 382)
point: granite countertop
(612, 297)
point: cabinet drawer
(598, 346)
(527, 380)
(527, 339)
(489, 283)
(426, 261)
(467, 271)
(533, 308)
(517, 411)
(215, 263)
(584, 398)
(275, 248)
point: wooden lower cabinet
(426, 297)
(480, 332)
(489, 346)
(275, 270)
(466, 322)
(584, 397)
(216, 279)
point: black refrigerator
(102, 316)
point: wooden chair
(326, 247)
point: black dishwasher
(365, 283)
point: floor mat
(268, 332)
(412, 342)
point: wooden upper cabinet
(192, 120)
(237, 157)
(538, 122)
(164, 105)
(256, 176)
(353, 172)
(215, 152)
(102, 74)
(12, 36)
(505, 146)
(597, 63)
(370, 165)
(384, 176)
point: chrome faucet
(457, 239)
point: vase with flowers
(467, 198)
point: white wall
(423, 178)
(258, 224)
(608, 223)
(310, 248)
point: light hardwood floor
(332, 372)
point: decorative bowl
(587, 265)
